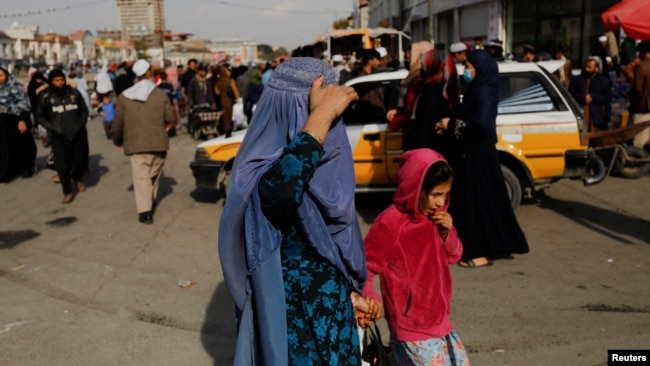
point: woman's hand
(325, 104)
(442, 125)
(391, 114)
(368, 310)
(330, 101)
(22, 126)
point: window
(375, 98)
(523, 93)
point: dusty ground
(87, 284)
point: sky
(286, 23)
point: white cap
(337, 58)
(140, 67)
(457, 47)
(602, 39)
(382, 52)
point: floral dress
(320, 317)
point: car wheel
(629, 169)
(224, 178)
(513, 186)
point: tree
(343, 23)
(267, 53)
(264, 49)
(141, 49)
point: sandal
(471, 264)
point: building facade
(84, 43)
(574, 25)
(142, 20)
(236, 50)
(7, 45)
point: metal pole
(430, 10)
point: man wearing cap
(495, 48)
(62, 110)
(383, 59)
(600, 49)
(592, 91)
(339, 65)
(459, 51)
(143, 116)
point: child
(165, 85)
(410, 246)
(107, 110)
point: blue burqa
(249, 246)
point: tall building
(142, 20)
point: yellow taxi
(542, 135)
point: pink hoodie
(405, 249)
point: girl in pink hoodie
(410, 246)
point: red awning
(632, 15)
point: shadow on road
(614, 225)
(218, 334)
(96, 171)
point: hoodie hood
(413, 167)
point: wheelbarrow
(203, 122)
(615, 146)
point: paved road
(86, 283)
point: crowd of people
(292, 224)
(290, 227)
(55, 106)
(291, 249)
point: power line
(50, 10)
(257, 7)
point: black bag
(374, 351)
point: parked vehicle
(542, 136)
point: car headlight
(201, 154)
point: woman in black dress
(480, 206)
(17, 147)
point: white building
(236, 50)
(84, 43)
(7, 45)
(22, 31)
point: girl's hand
(444, 221)
(367, 309)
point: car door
(534, 123)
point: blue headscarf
(249, 245)
(481, 100)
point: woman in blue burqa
(482, 212)
(289, 241)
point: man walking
(62, 110)
(143, 116)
